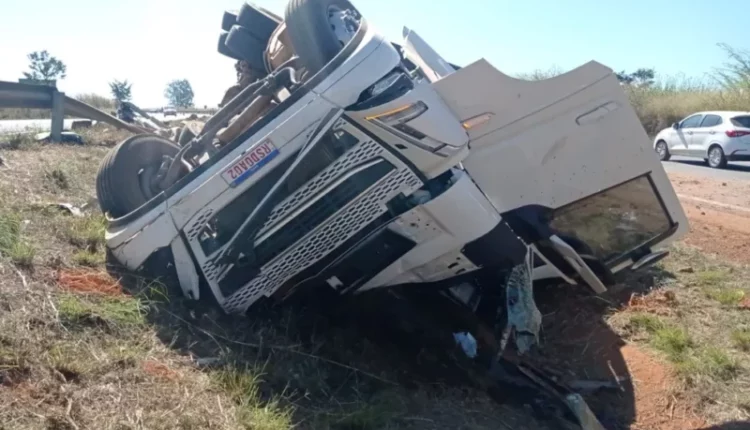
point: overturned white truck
(354, 163)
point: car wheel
(124, 181)
(662, 150)
(318, 29)
(716, 157)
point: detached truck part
(358, 164)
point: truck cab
(371, 164)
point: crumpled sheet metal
(524, 317)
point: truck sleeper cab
(390, 167)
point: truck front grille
(307, 221)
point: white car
(170, 111)
(717, 137)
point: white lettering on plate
(249, 163)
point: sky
(151, 42)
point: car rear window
(741, 121)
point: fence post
(58, 113)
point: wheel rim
(661, 149)
(715, 156)
(344, 23)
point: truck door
(571, 144)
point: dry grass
(84, 344)
(704, 331)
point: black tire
(256, 22)
(247, 47)
(662, 150)
(716, 157)
(186, 135)
(228, 20)
(223, 49)
(310, 32)
(118, 181)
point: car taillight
(737, 133)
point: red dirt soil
(718, 225)
(583, 343)
(657, 407)
(718, 212)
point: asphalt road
(692, 166)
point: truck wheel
(228, 20)
(318, 29)
(256, 22)
(124, 181)
(224, 49)
(248, 47)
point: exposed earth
(673, 342)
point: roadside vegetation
(697, 319)
(85, 344)
(660, 101)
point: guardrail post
(58, 113)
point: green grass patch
(252, 412)
(712, 277)
(124, 310)
(11, 244)
(663, 336)
(726, 296)
(89, 259)
(741, 339)
(646, 322)
(87, 232)
(673, 341)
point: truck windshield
(615, 221)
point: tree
(120, 90)
(44, 67)
(179, 93)
(641, 77)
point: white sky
(151, 42)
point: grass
(12, 245)
(727, 297)
(17, 141)
(741, 339)
(702, 332)
(86, 232)
(87, 344)
(58, 178)
(111, 310)
(243, 387)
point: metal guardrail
(28, 96)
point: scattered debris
(467, 343)
(65, 137)
(69, 208)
